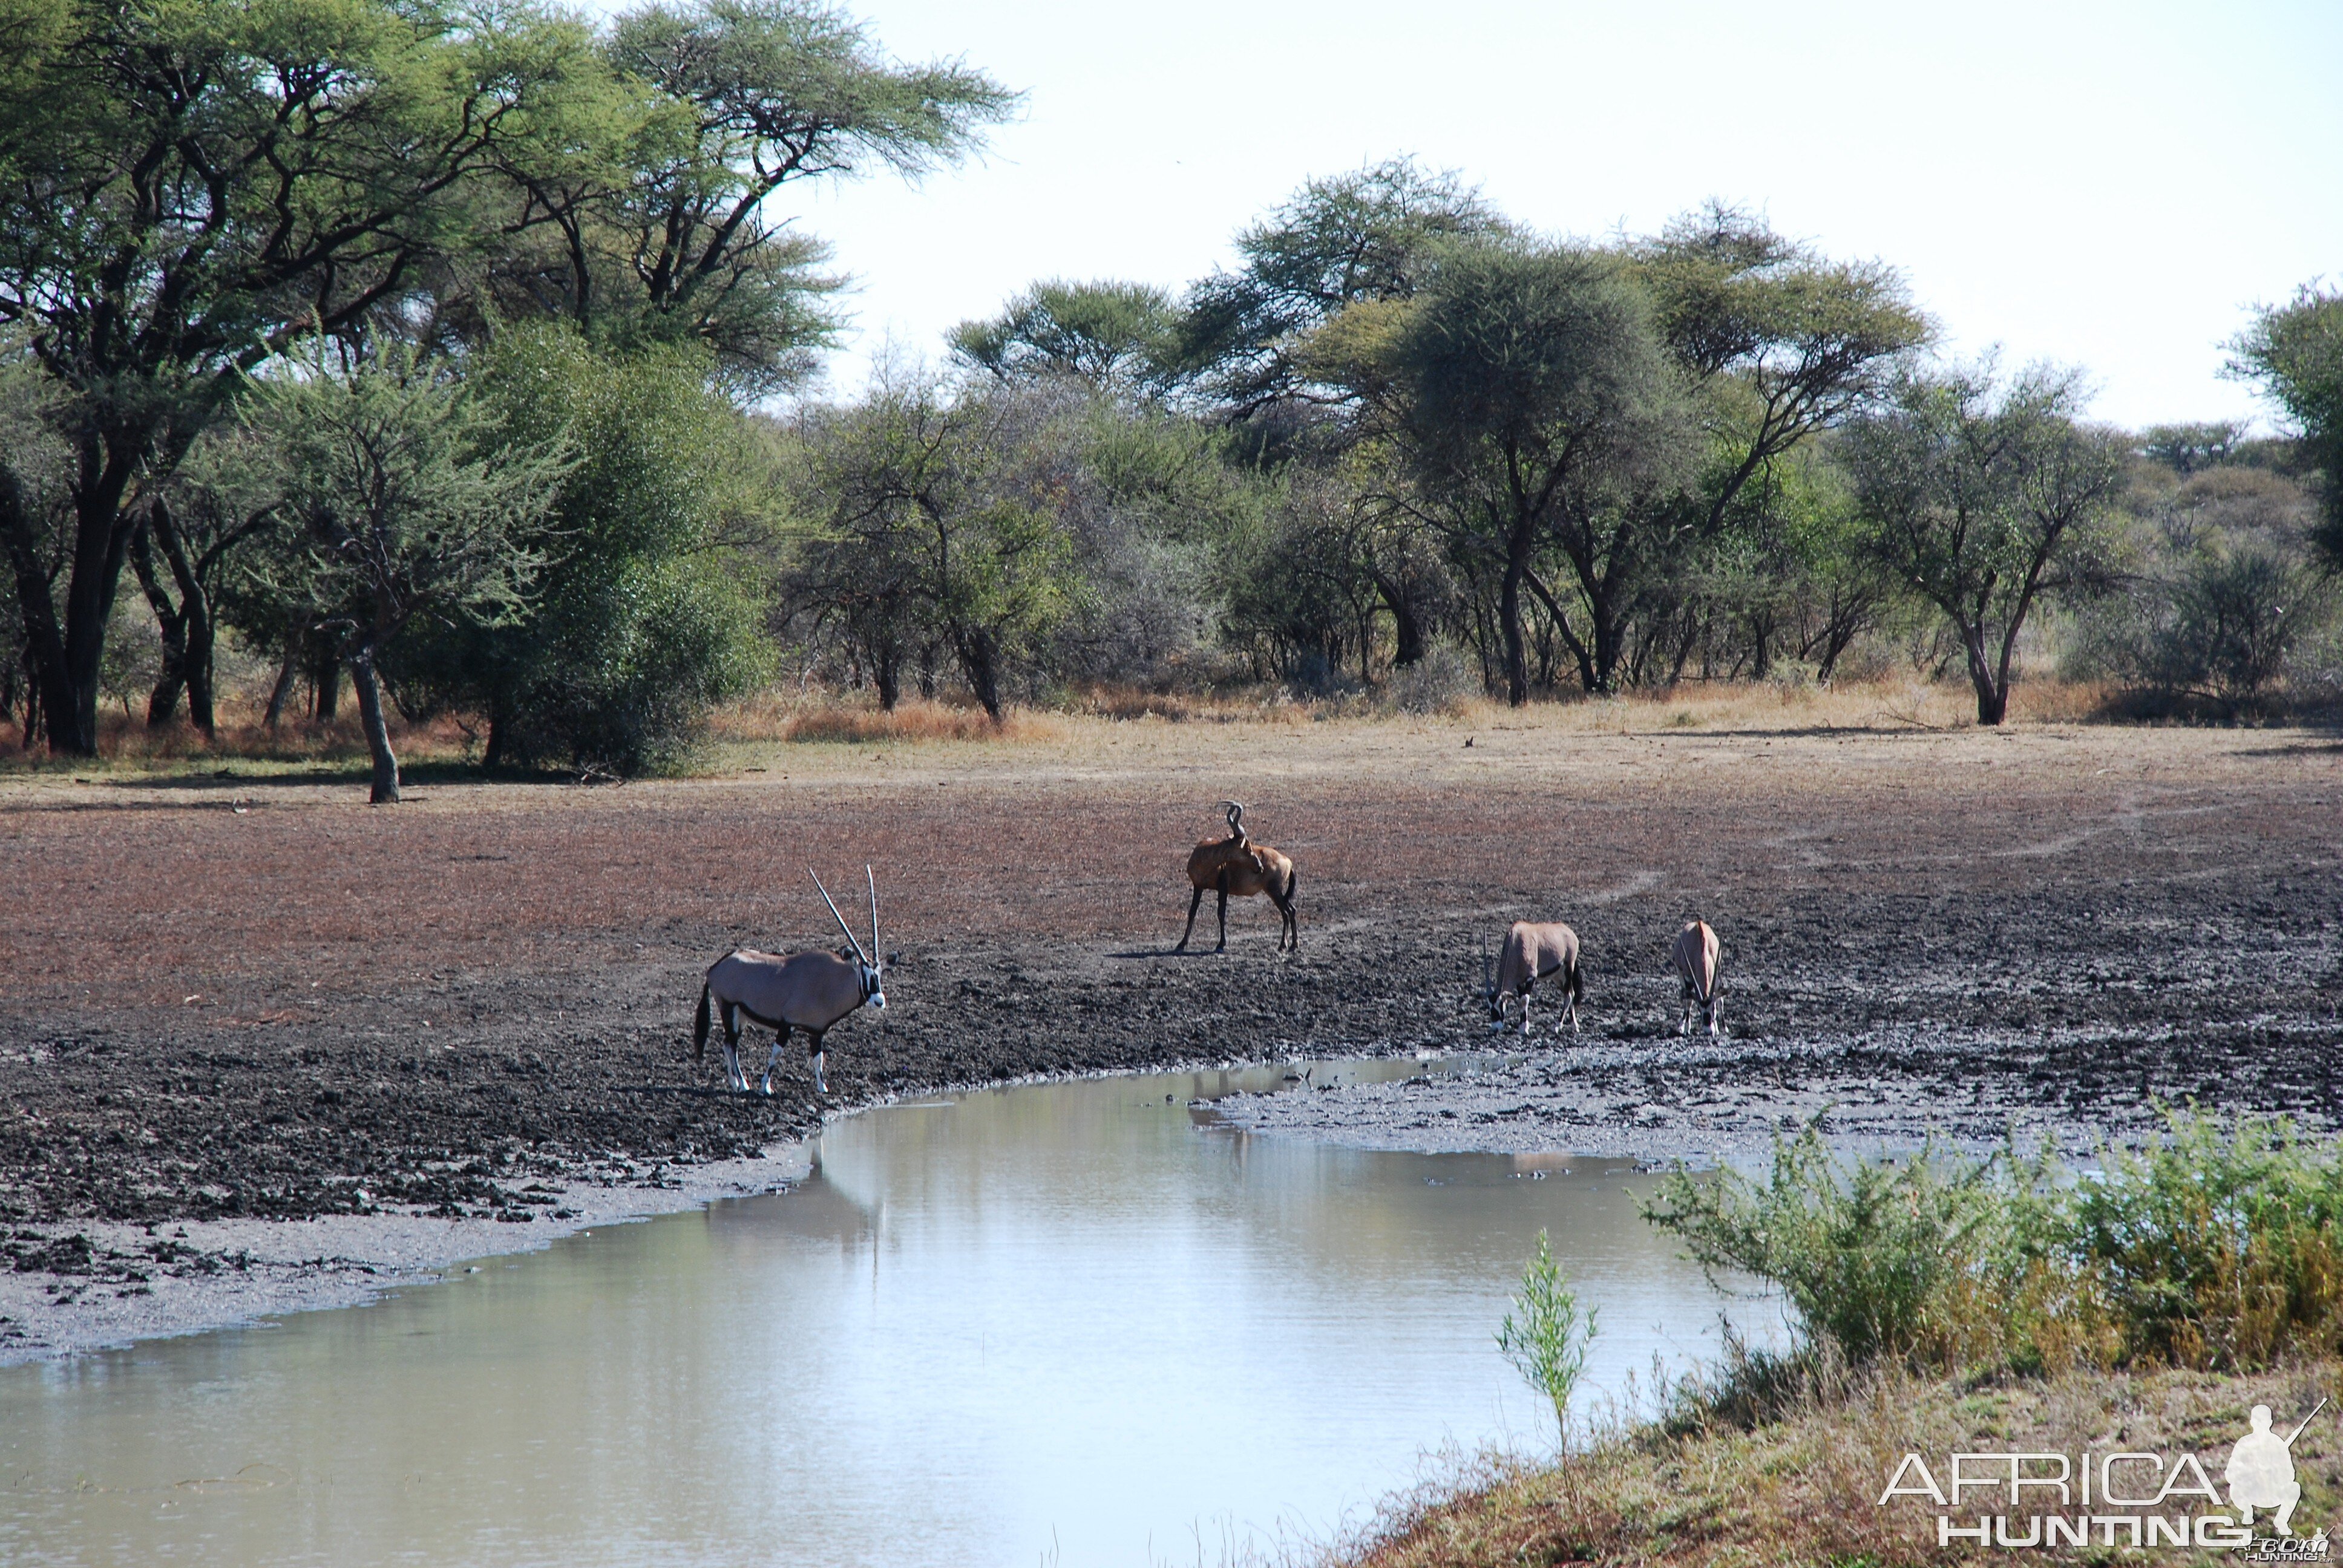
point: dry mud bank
(238, 1000)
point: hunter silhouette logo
(2261, 1472)
(2132, 1498)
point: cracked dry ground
(310, 1007)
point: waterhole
(1071, 1324)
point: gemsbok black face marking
(1236, 867)
(811, 991)
(1695, 957)
(1532, 953)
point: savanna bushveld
(463, 370)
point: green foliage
(1531, 403)
(937, 539)
(2223, 599)
(2188, 449)
(1366, 235)
(1985, 500)
(407, 502)
(642, 619)
(1121, 339)
(2294, 352)
(1876, 1259)
(1547, 1343)
(747, 96)
(2217, 1247)
(408, 509)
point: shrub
(2217, 1248)
(1547, 1343)
(1442, 681)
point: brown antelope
(1530, 953)
(1237, 867)
(1695, 957)
(811, 991)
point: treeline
(1407, 441)
(432, 352)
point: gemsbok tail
(700, 1027)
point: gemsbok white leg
(780, 1036)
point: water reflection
(1073, 1323)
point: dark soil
(304, 1007)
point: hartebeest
(811, 991)
(1695, 957)
(1239, 867)
(1532, 953)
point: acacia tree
(1369, 235)
(656, 189)
(2294, 352)
(1527, 392)
(922, 498)
(410, 505)
(185, 188)
(1985, 500)
(1119, 338)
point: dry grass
(241, 737)
(1803, 1489)
(1714, 709)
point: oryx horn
(836, 916)
(874, 913)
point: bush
(2218, 1248)
(1547, 1343)
(1442, 681)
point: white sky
(2106, 185)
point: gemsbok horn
(1236, 867)
(811, 991)
(1695, 958)
(1533, 951)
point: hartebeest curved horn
(836, 916)
(876, 961)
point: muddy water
(1065, 1324)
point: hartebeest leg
(1222, 945)
(780, 1038)
(1195, 898)
(1289, 927)
(813, 1045)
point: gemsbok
(1533, 951)
(811, 991)
(1236, 867)
(1695, 957)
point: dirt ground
(253, 996)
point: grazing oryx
(1236, 866)
(811, 991)
(1695, 957)
(1530, 953)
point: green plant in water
(1546, 1343)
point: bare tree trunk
(45, 645)
(289, 667)
(378, 732)
(1992, 696)
(1407, 625)
(326, 673)
(195, 617)
(1508, 613)
(980, 660)
(163, 702)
